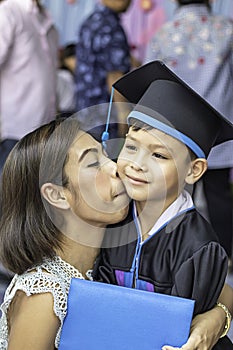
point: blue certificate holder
(104, 316)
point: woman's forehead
(83, 139)
(83, 142)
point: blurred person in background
(66, 81)
(28, 63)
(198, 46)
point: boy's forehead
(158, 139)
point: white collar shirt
(182, 204)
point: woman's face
(95, 192)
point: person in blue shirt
(103, 56)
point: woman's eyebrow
(86, 151)
(130, 137)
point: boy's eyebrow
(161, 146)
(151, 146)
(86, 151)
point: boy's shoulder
(184, 237)
(189, 231)
(191, 221)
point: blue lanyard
(105, 134)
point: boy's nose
(138, 163)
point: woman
(57, 189)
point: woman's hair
(27, 232)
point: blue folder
(104, 316)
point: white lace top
(53, 276)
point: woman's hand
(206, 330)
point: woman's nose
(111, 168)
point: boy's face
(153, 166)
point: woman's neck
(79, 256)
(81, 242)
(86, 233)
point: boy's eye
(159, 156)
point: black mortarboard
(165, 102)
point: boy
(165, 245)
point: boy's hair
(27, 233)
(188, 2)
(139, 125)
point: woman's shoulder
(40, 279)
(45, 284)
(44, 278)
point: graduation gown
(183, 258)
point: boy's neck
(153, 214)
(148, 214)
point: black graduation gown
(183, 259)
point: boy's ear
(54, 195)
(197, 168)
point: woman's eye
(94, 164)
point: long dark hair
(27, 233)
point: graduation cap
(163, 101)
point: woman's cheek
(103, 186)
(120, 166)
